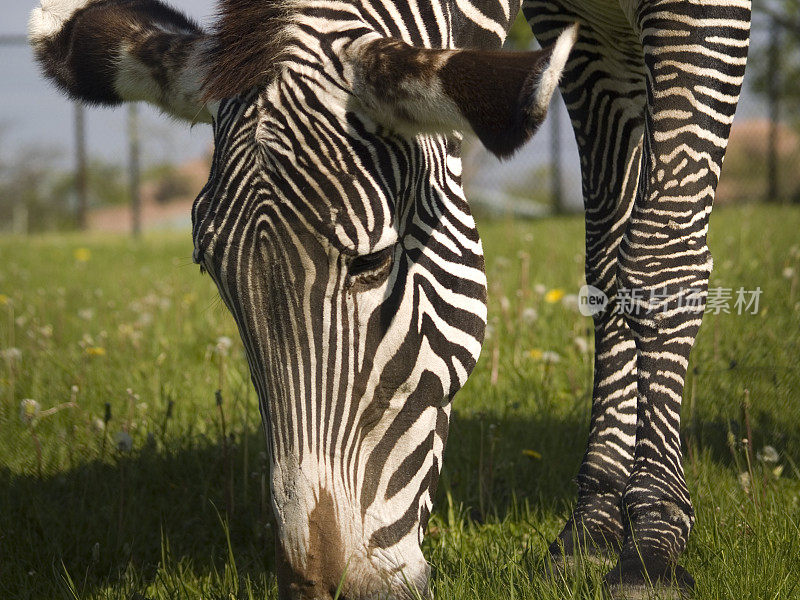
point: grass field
(155, 502)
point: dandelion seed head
(29, 410)
(550, 357)
(87, 314)
(529, 315)
(744, 481)
(570, 301)
(505, 303)
(12, 355)
(768, 455)
(223, 345)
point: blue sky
(34, 114)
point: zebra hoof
(648, 578)
(578, 546)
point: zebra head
(335, 227)
(341, 241)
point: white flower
(124, 441)
(570, 301)
(551, 357)
(768, 454)
(98, 425)
(223, 345)
(540, 289)
(29, 410)
(788, 272)
(582, 344)
(529, 315)
(12, 355)
(87, 314)
(505, 304)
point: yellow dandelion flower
(554, 295)
(532, 454)
(535, 354)
(4, 300)
(82, 254)
(95, 351)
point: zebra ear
(501, 96)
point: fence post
(774, 92)
(556, 190)
(134, 177)
(81, 174)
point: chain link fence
(42, 186)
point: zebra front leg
(604, 90)
(695, 55)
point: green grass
(185, 513)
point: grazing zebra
(334, 225)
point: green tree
(775, 55)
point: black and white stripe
(651, 87)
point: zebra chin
(322, 554)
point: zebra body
(335, 227)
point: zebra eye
(370, 270)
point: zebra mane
(245, 45)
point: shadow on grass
(99, 519)
(102, 517)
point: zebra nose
(197, 255)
